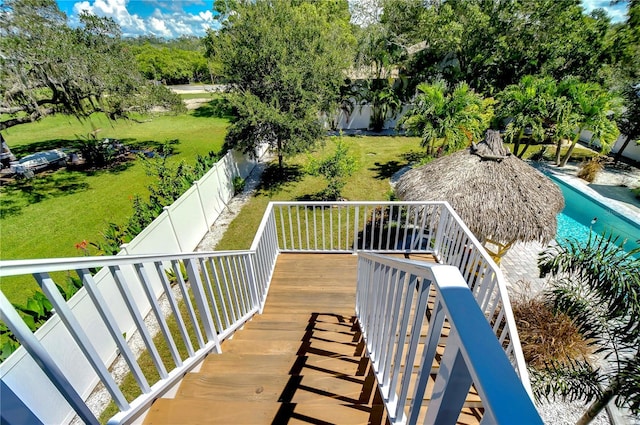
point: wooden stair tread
(247, 387)
(278, 388)
(314, 346)
(287, 364)
(296, 335)
(189, 411)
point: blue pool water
(575, 221)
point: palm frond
(602, 266)
(573, 380)
(629, 381)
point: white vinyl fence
(179, 228)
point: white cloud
(131, 24)
(617, 12)
(166, 18)
(158, 27)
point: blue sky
(173, 18)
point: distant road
(196, 88)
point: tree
(284, 63)
(335, 168)
(171, 65)
(629, 121)
(491, 44)
(597, 284)
(453, 118)
(47, 67)
(385, 98)
(531, 106)
(594, 109)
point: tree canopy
(455, 117)
(491, 44)
(284, 62)
(47, 67)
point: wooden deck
(301, 361)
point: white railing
(429, 346)
(224, 290)
(356, 226)
(219, 296)
(405, 227)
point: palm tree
(597, 284)
(384, 96)
(594, 109)
(629, 121)
(453, 118)
(533, 107)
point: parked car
(39, 161)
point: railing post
(253, 283)
(437, 246)
(356, 224)
(451, 387)
(201, 302)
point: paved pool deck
(611, 187)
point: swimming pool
(583, 213)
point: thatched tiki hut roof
(501, 198)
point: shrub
(547, 337)
(591, 168)
(238, 184)
(335, 168)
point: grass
(47, 216)
(378, 159)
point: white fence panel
(244, 164)
(210, 189)
(188, 220)
(226, 171)
(632, 151)
(360, 118)
(157, 238)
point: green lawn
(49, 215)
(378, 159)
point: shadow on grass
(386, 170)
(9, 207)
(314, 197)
(142, 146)
(44, 186)
(115, 168)
(43, 145)
(274, 179)
(216, 108)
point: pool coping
(576, 183)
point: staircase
(299, 362)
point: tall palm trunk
(600, 403)
(558, 150)
(574, 142)
(516, 144)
